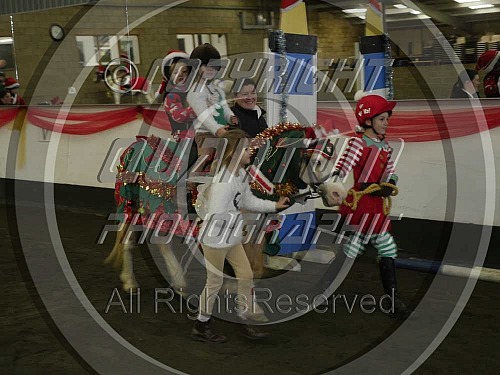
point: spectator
(11, 86)
(251, 117)
(5, 98)
(2, 77)
(489, 63)
(467, 85)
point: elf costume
(367, 205)
(181, 116)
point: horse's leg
(127, 276)
(255, 255)
(174, 268)
(121, 257)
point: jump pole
(436, 267)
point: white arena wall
(441, 181)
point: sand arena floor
(43, 333)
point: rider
(368, 155)
(176, 73)
(208, 100)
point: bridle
(312, 193)
(325, 148)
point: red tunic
(370, 162)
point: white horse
(315, 165)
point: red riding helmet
(372, 105)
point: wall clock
(56, 32)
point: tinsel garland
(281, 44)
(286, 189)
(274, 131)
(154, 187)
(281, 190)
(167, 156)
(389, 71)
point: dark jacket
(249, 121)
(459, 93)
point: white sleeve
(227, 111)
(198, 102)
(251, 203)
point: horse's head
(317, 169)
(289, 157)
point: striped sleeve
(176, 110)
(390, 170)
(351, 156)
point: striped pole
(425, 265)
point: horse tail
(115, 258)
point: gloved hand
(366, 185)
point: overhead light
(354, 11)
(413, 11)
(401, 6)
(481, 6)
(466, 1)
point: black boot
(397, 309)
(252, 332)
(202, 332)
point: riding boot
(252, 332)
(202, 332)
(397, 309)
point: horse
(151, 190)
(293, 160)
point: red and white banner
(410, 124)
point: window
(187, 42)
(6, 53)
(101, 49)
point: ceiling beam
(441, 17)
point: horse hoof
(130, 288)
